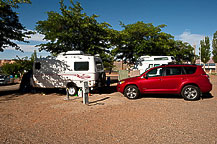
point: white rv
(68, 70)
(146, 62)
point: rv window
(81, 66)
(172, 58)
(155, 65)
(161, 58)
(37, 65)
(150, 66)
(99, 66)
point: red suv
(188, 80)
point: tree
(205, 50)
(10, 69)
(73, 30)
(13, 3)
(183, 52)
(140, 39)
(20, 66)
(10, 28)
(214, 47)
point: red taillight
(206, 75)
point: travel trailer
(69, 70)
(146, 62)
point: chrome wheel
(191, 92)
(131, 92)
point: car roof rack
(176, 64)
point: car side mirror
(145, 76)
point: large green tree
(214, 47)
(11, 29)
(205, 50)
(183, 52)
(73, 29)
(142, 38)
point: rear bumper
(205, 88)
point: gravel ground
(109, 118)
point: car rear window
(190, 70)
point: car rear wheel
(131, 92)
(191, 93)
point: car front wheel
(191, 93)
(131, 92)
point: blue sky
(186, 20)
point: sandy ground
(45, 117)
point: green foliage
(205, 50)
(18, 67)
(140, 39)
(214, 47)
(10, 28)
(73, 30)
(10, 69)
(13, 3)
(183, 52)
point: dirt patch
(109, 118)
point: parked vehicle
(4, 79)
(146, 62)
(190, 81)
(69, 70)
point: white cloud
(193, 39)
(36, 37)
(25, 48)
(28, 48)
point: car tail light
(206, 75)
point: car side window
(155, 72)
(190, 70)
(173, 71)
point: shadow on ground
(173, 96)
(105, 90)
(11, 94)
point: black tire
(191, 93)
(102, 79)
(72, 90)
(26, 82)
(131, 92)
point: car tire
(191, 93)
(72, 90)
(131, 92)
